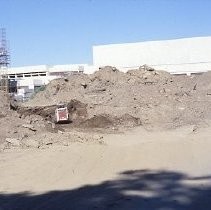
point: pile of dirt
(107, 101)
(14, 127)
(106, 121)
(76, 109)
(156, 98)
(22, 127)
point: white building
(30, 78)
(188, 55)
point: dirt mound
(156, 98)
(14, 127)
(77, 111)
(110, 100)
(128, 121)
(97, 122)
(107, 121)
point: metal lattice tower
(4, 61)
(4, 52)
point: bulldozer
(62, 113)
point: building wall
(29, 78)
(180, 55)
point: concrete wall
(180, 55)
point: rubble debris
(146, 68)
(13, 141)
(29, 142)
(195, 128)
(84, 85)
(29, 126)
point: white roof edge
(30, 66)
(152, 41)
(48, 66)
(43, 68)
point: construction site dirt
(133, 140)
(108, 101)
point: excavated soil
(156, 98)
(107, 101)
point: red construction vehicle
(61, 113)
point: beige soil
(157, 98)
(128, 171)
(139, 140)
(107, 101)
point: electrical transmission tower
(4, 60)
(4, 52)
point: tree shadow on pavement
(140, 189)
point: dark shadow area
(141, 189)
(64, 122)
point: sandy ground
(136, 170)
(73, 166)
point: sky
(55, 32)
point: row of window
(42, 74)
(32, 74)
